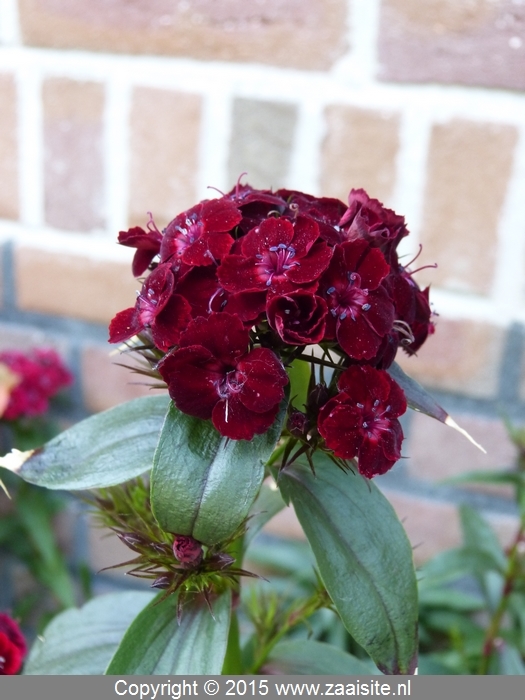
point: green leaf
(306, 656)
(203, 484)
(455, 563)
(156, 644)
(510, 661)
(364, 557)
(503, 476)
(420, 400)
(103, 450)
(82, 642)
(268, 503)
(299, 373)
(480, 537)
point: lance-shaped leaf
(157, 644)
(306, 656)
(364, 558)
(82, 642)
(103, 450)
(203, 484)
(419, 399)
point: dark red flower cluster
(12, 646)
(41, 374)
(239, 285)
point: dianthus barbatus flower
(157, 308)
(213, 375)
(361, 420)
(361, 311)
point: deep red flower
(157, 308)
(367, 219)
(213, 375)
(361, 311)
(200, 235)
(277, 257)
(147, 244)
(12, 646)
(299, 317)
(41, 375)
(361, 421)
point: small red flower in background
(361, 421)
(213, 375)
(12, 646)
(41, 374)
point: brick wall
(111, 109)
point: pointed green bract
(103, 450)
(203, 484)
(82, 642)
(156, 644)
(364, 558)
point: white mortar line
(274, 83)
(214, 143)
(360, 63)
(31, 146)
(509, 283)
(411, 174)
(10, 34)
(306, 148)
(116, 154)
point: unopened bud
(187, 550)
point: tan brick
(295, 33)
(359, 150)
(468, 170)
(462, 357)
(437, 452)
(434, 526)
(72, 285)
(261, 144)
(474, 42)
(165, 130)
(73, 167)
(105, 383)
(9, 204)
(105, 549)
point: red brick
(473, 42)
(9, 200)
(105, 383)
(468, 171)
(462, 357)
(73, 167)
(73, 285)
(296, 33)
(436, 452)
(359, 150)
(262, 142)
(165, 128)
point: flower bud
(187, 550)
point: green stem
(508, 584)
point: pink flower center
(374, 420)
(231, 383)
(350, 300)
(276, 262)
(188, 234)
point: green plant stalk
(509, 581)
(293, 619)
